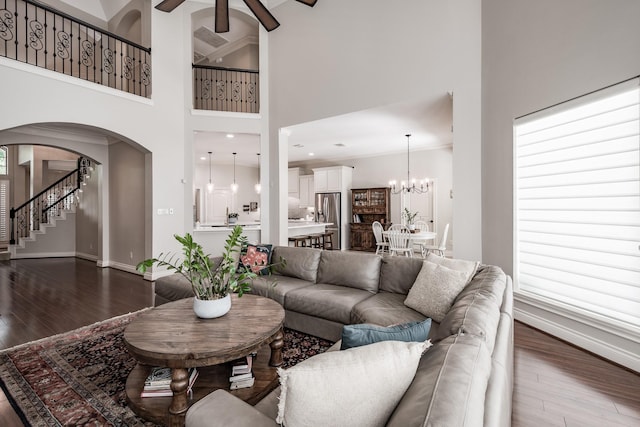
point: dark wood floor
(556, 384)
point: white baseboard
(623, 350)
(88, 257)
(119, 266)
(44, 255)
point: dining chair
(381, 243)
(400, 242)
(442, 247)
(418, 244)
(398, 227)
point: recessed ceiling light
(230, 135)
(203, 158)
(311, 154)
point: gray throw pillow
(363, 334)
(435, 289)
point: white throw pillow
(360, 386)
(467, 267)
(435, 289)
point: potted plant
(212, 283)
(409, 217)
(232, 218)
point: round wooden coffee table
(172, 335)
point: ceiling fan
(222, 12)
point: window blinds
(577, 195)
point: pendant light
(409, 186)
(258, 187)
(210, 184)
(234, 186)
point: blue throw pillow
(363, 334)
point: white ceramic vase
(210, 309)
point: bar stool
(299, 241)
(328, 240)
(316, 240)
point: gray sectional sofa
(464, 379)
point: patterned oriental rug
(78, 378)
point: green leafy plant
(208, 280)
(409, 216)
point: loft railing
(225, 89)
(46, 204)
(39, 35)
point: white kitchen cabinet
(331, 179)
(294, 182)
(307, 191)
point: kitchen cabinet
(294, 182)
(332, 179)
(307, 192)
(368, 205)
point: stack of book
(158, 383)
(242, 373)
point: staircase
(44, 225)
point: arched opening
(105, 222)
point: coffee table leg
(276, 349)
(178, 407)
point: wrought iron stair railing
(36, 34)
(49, 202)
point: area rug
(78, 378)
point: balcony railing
(38, 35)
(225, 89)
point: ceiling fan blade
(310, 3)
(262, 13)
(222, 16)
(169, 5)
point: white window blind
(577, 195)
(4, 210)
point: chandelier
(409, 186)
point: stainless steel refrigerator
(328, 209)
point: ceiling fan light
(265, 17)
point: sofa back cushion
(300, 262)
(476, 310)
(397, 274)
(352, 269)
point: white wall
(536, 54)
(342, 57)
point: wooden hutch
(368, 205)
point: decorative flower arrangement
(409, 216)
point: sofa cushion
(449, 386)
(352, 269)
(338, 389)
(385, 309)
(364, 334)
(276, 286)
(330, 302)
(300, 262)
(172, 288)
(435, 289)
(397, 274)
(476, 310)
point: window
(577, 206)
(4, 169)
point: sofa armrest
(221, 408)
